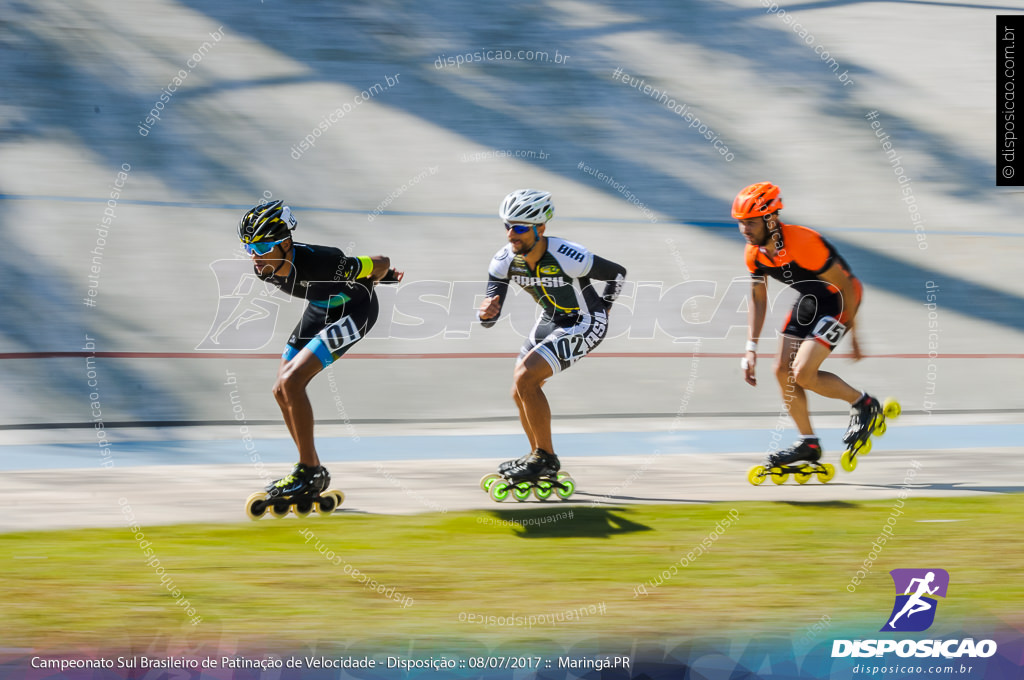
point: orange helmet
(756, 200)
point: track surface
(163, 482)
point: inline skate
(301, 492)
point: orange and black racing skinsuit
(801, 257)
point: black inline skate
(537, 472)
(302, 491)
(508, 464)
(867, 418)
(802, 459)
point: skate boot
(538, 464)
(303, 481)
(864, 415)
(867, 418)
(509, 464)
(801, 459)
(537, 472)
(301, 492)
(803, 449)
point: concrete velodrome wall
(134, 135)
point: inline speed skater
(558, 274)
(829, 300)
(341, 309)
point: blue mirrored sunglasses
(261, 248)
(518, 228)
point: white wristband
(751, 346)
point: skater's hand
(490, 308)
(748, 364)
(392, 276)
(855, 346)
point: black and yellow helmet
(270, 221)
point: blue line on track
(496, 447)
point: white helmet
(528, 206)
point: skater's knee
(525, 379)
(805, 377)
(278, 391)
(286, 387)
(783, 374)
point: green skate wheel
(570, 487)
(848, 461)
(521, 491)
(563, 475)
(804, 475)
(880, 429)
(303, 508)
(892, 408)
(778, 476)
(827, 474)
(500, 490)
(543, 490)
(756, 475)
(255, 505)
(488, 479)
(280, 508)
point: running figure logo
(914, 610)
(246, 309)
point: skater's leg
(793, 395)
(287, 420)
(808, 376)
(529, 377)
(290, 392)
(522, 415)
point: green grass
(779, 568)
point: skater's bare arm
(838, 277)
(755, 322)
(381, 267)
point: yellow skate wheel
(880, 429)
(543, 490)
(255, 506)
(892, 408)
(778, 476)
(865, 448)
(500, 490)
(303, 508)
(339, 497)
(848, 461)
(826, 476)
(486, 480)
(327, 504)
(280, 508)
(804, 475)
(756, 475)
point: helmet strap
(768, 228)
(288, 256)
(536, 240)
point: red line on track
(461, 355)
